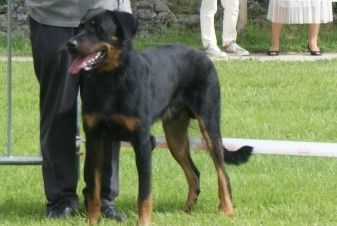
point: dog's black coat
(124, 92)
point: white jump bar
(273, 147)
(277, 147)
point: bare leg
(313, 32)
(276, 30)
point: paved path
(255, 56)
(282, 57)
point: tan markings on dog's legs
(205, 134)
(128, 122)
(226, 205)
(144, 211)
(180, 151)
(177, 141)
(94, 204)
(94, 195)
(91, 120)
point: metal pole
(26, 160)
(9, 78)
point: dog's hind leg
(177, 140)
(210, 130)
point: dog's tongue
(80, 63)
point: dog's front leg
(143, 148)
(93, 174)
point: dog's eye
(98, 29)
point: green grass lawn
(269, 100)
(255, 37)
(268, 190)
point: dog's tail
(239, 156)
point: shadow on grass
(13, 209)
(127, 205)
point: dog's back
(173, 74)
(168, 60)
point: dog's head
(102, 40)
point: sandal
(272, 52)
(314, 53)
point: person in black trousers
(52, 24)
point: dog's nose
(72, 44)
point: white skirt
(300, 11)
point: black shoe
(314, 53)
(272, 52)
(110, 212)
(62, 211)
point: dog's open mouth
(86, 62)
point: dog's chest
(116, 123)
(116, 106)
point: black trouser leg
(58, 93)
(110, 177)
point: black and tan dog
(124, 92)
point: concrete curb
(287, 57)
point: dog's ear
(128, 23)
